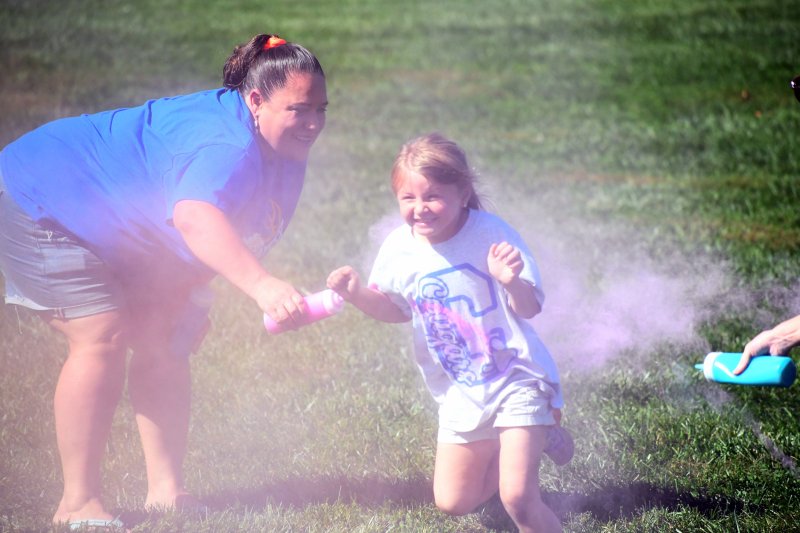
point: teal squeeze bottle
(763, 370)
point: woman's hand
(280, 301)
(776, 341)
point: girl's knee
(454, 504)
(454, 508)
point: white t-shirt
(471, 348)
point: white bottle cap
(708, 365)
(332, 302)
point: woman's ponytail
(264, 63)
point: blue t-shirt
(113, 178)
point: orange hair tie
(273, 42)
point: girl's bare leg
(88, 391)
(520, 457)
(465, 476)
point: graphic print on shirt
(470, 355)
(267, 232)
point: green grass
(621, 129)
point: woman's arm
(212, 238)
(347, 283)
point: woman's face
(293, 117)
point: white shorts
(525, 407)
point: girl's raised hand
(345, 281)
(505, 262)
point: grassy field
(649, 153)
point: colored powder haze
(605, 296)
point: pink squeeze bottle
(318, 306)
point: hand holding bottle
(763, 370)
(317, 306)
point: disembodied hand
(776, 341)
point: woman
(111, 226)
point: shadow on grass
(611, 503)
(299, 493)
(303, 492)
(606, 504)
(614, 502)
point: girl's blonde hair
(439, 159)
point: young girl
(469, 283)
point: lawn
(648, 153)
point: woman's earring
(255, 121)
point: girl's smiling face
(434, 211)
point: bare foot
(74, 512)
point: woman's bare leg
(88, 391)
(159, 387)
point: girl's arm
(505, 264)
(212, 238)
(372, 302)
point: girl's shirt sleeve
(386, 275)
